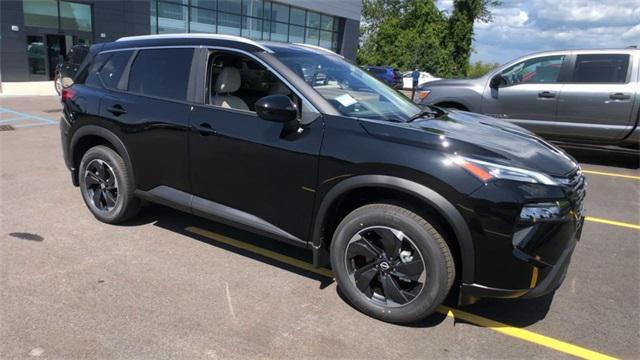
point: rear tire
(106, 186)
(391, 264)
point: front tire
(106, 186)
(391, 263)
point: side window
(542, 70)
(601, 68)
(237, 82)
(112, 70)
(161, 72)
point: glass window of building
(298, 16)
(296, 34)
(255, 19)
(207, 4)
(280, 13)
(326, 23)
(228, 24)
(75, 16)
(279, 31)
(172, 18)
(202, 21)
(40, 13)
(312, 36)
(313, 19)
(253, 8)
(229, 6)
(252, 28)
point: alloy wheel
(101, 185)
(386, 266)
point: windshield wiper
(428, 111)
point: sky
(521, 27)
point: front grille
(576, 188)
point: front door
(244, 166)
(529, 95)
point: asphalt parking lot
(171, 285)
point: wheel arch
(452, 104)
(89, 136)
(416, 191)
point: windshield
(350, 89)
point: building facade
(35, 35)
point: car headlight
(486, 171)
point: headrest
(228, 81)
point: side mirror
(497, 81)
(277, 108)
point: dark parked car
(404, 203)
(65, 71)
(391, 76)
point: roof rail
(197, 36)
(632, 47)
(319, 48)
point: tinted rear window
(112, 70)
(161, 72)
(601, 68)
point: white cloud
(522, 27)
(632, 34)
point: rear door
(529, 96)
(597, 102)
(148, 108)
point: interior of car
(237, 82)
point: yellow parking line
(611, 174)
(612, 222)
(502, 328)
(523, 334)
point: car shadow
(519, 313)
(605, 155)
(512, 312)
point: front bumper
(522, 257)
(543, 280)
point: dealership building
(36, 34)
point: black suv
(403, 202)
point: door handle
(205, 129)
(619, 96)
(546, 94)
(116, 110)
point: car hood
(480, 137)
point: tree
(478, 68)
(465, 13)
(415, 33)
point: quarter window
(161, 72)
(542, 70)
(601, 68)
